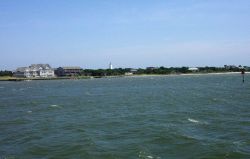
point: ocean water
(156, 117)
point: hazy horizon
(136, 34)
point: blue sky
(129, 33)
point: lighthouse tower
(110, 66)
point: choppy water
(174, 117)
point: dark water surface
(203, 116)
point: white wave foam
(239, 143)
(54, 105)
(193, 120)
(29, 111)
(147, 155)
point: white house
(22, 72)
(194, 69)
(35, 70)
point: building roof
(34, 67)
(133, 70)
(40, 66)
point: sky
(129, 33)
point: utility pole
(243, 74)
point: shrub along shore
(9, 78)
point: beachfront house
(131, 71)
(35, 70)
(193, 69)
(152, 68)
(68, 71)
(22, 72)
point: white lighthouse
(110, 66)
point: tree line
(153, 70)
(6, 73)
(161, 70)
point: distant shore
(8, 78)
(186, 74)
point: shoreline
(15, 79)
(187, 74)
